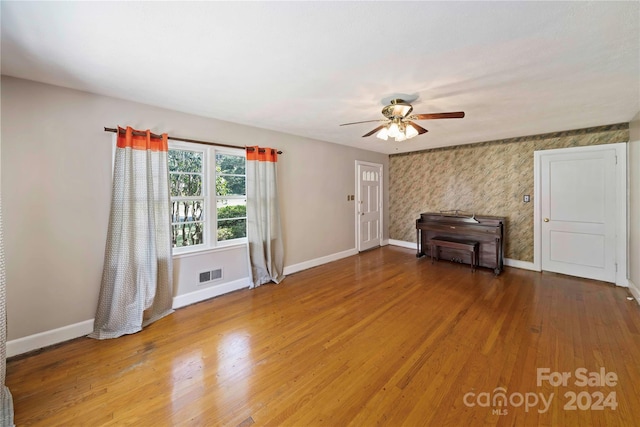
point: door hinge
(616, 159)
(616, 264)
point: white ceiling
(515, 68)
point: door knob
(546, 220)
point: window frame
(210, 215)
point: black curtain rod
(195, 141)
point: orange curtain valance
(262, 154)
(141, 140)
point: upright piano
(488, 231)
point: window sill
(204, 251)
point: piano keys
(488, 231)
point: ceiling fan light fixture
(383, 134)
(394, 130)
(400, 124)
(410, 131)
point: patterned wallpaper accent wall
(487, 178)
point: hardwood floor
(380, 338)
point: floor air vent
(210, 276)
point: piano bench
(450, 242)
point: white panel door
(369, 206)
(578, 213)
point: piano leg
(498, 268)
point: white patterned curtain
(137, 283)
(6, 402)
(266, 254)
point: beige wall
(488, 178)
(634, 205)
(56, 184)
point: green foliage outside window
(232, 223)
(230, 175)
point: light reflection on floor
(235, 366)
(186, 381)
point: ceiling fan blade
(366, 121)
(373, 131)
(432, 116)
(419, 128)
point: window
(231, 196)
(208, 204)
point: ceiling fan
(399, 121)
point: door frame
(621, 244)
(357, 201)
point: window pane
(187, 234)
(231, 229)
(231, 208)
(228, 163)
(232, 223)
(185, 185)
(185, 161)
(186, 210)
(230, 186)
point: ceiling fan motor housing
(398, 109)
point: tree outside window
(186, 177)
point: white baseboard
(403, 244)
(525, 265)
(635, 291)
(290, 269)
(47, 338)
(210, 292)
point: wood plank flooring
(380, 338)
